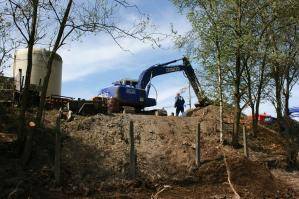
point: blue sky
(96, 61)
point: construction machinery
(130, 96)
(294, 112)
(135, 94)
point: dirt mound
(249, 179)
(96, 153)
(95, 160)
(165, 147)
(210, 112)
(253, 179)
(269, 147)
(288, 178)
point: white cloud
(100, 56)
(100, 53)
(168, 94)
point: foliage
(254, 42)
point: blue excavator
(135, 94)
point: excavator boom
(201, 97)
(161, 69)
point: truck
(134, 94)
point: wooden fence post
(132, 152)
(197, 148)
(57, 150)
(28, 144)
(245, 143)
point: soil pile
(96, 154)
(211, 112)
(95, 160)
(249, 179)
(253, 180)
(100, 144)
(290, 179)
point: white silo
(39, 70)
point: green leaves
(258, 29)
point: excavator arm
(189, 71)
(165, 68)
(155, 70)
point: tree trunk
(220, 92)
(249, 90)
(278, 90)
(255, 113)
(237, 99)
(259, 93)
(278, 98)
(255, 119)
(286, 103)
(50, 62)
(25, 95)
(287, 92)
(237, 81)
(237, 117)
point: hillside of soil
(95, 160)
(97, 149)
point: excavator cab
(126, 93)
(126, 82)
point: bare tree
(23, 15)
(79, 18)
(7, 43)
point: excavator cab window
(128, 83)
